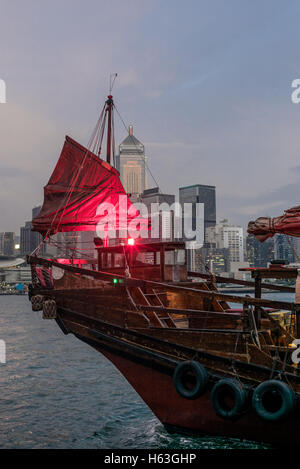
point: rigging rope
(76, 176)
(96, 139)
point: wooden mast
(109, 107)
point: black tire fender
(228, 387)
(263, 395)
(190, 379)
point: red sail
(289, 224)
(80, 184)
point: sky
(205, 83)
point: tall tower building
(283, 249)
(200, 193)
(7, 243)
(132, 161)
(29, 240)
(158, 206)
(194, 195)
(224, 235)
(259, 254)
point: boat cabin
(158, 261)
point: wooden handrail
(190, 312)
(247, 283)
(137, 282)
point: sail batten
(81, 183)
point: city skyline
(203, 97)
(150, 227)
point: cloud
(172, 145)
(269, 204)
(207, 88)
(28, 141)
(8, 172)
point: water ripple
(57, 392)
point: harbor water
(57, 392)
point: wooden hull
(198, 416)
(146, 329)
(151, 375)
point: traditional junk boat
(201, 366)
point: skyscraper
(159, 208)
(283, 248)
(216, 259)
(132, 162)
(7, 243)
(200, 193)
(227, 236)
(259, 254)
(29, 240)
(197, 194)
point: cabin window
(145, 257)
(119, 260)
(179, 256)
(106, 260)
(169, 258)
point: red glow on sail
(80, 184)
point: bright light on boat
(117, 280)
(130, 242)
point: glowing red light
(130, 242)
